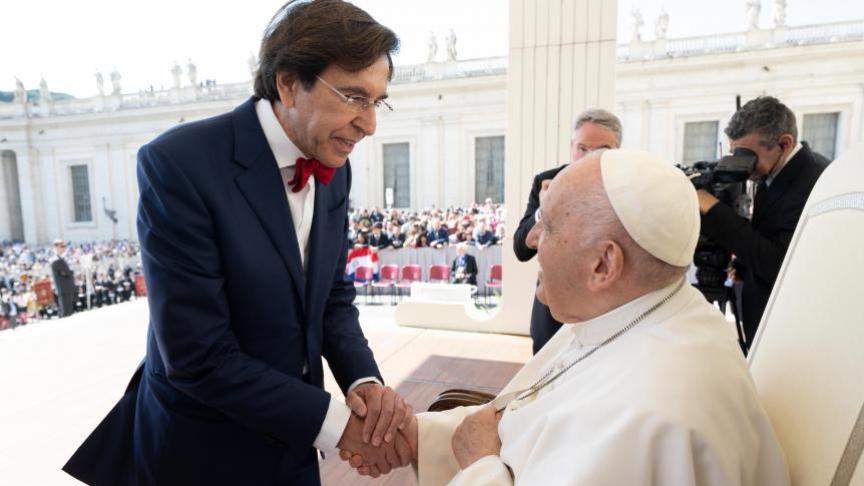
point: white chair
(808, 357)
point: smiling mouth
(346, 145)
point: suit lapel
(319, 247)
(261, 185)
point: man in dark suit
(438, 235)
(64, 280)
(377, 238)
(397, 238)
(786, 170)
(594, 129)
(464, 267)
(231, 390)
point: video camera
(725, 179)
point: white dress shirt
(302, 206)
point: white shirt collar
(600, 328)
(771, 177)
(284, 150)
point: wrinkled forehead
(574, 180)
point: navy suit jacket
(222, 397)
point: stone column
(561, 61)
(30, 206)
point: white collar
(771, 177)
(284, 150)
(600, 328)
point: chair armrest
(449, 399)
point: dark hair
(766, 116)
(307, 36)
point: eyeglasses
(357, 103)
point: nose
(366, 121)
(533, 237)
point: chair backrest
(496, 272)
(389, 272)
(412, 273)
(140, 286)
(807, 358)
(363, 274)
(44, 292)
(439, 272)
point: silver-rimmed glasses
(357, 103)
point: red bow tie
(306, 168)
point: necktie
(306, 168)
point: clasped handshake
(381, 434)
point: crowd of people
(100, 274)
(481, 225)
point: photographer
(786, 171)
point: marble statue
(44, 93)
(252, 62)
(451, 45)
(100, 83)
(432, 47)
(636, 24)
(115, 82)
(176, 71)
(779, 13)
(192, 72)
(661, 26)
(20, 92)
(753, 9)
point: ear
(608, 266)
(786, 142)
(287, 85)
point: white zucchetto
(655, 202)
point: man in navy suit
(231, 390)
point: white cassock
(670, 402)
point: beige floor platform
(59, 378)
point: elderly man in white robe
(644, 385)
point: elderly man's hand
(405, 445)
(371, 460)
(382, 408)
(706, 201)
(477, 437)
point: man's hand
(374, 461)
(477, 437)
(382, 408)
(406, 438)
(706, 201)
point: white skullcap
(655, 202)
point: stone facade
(441, 110)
